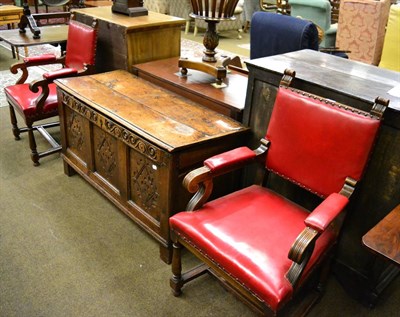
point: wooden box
(134, 142)
(356, 84)
(10, 14)
(124, 41)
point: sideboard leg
(68, 170)
(166, 254)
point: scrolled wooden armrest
(47, 79)
(34, 87)
(316, 223)
(200, 181)
(46, 59)
(300, 253)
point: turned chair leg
(187, 26)
(246, 26)
(16, 131)
(239, 36)
(32, 145)
(176, 281)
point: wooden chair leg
(187, 25)
(246, 26)
(16, 131)
(13, 51)
(176, 281)
(32, 145)
(239, 36)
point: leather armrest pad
(60, 73)
(326, 212)
(51, 58)
(230, 158)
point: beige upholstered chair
(160, 6)
(227, 25)
(181, 9)
(361, 29)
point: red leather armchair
(261, 245)
(37, 101)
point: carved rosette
(76, 136)
(144, 183)
(106, 155)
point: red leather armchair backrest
(317, 143)
(81, 45)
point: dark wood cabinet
(134, 142)
(124, 41)
(362, 274)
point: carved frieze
(131, 139)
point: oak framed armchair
(263, 247)
(37, 101)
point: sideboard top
(364, 81)
(164, 118)
(153, 19)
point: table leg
(13, 51)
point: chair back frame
(329, 214)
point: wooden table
(98, 3)
(356, 84)
(124, 41)
(134, 142)
(10, 14)
(384, 238)
(48, 35)
(197, 86)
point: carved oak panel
(105, 155)
(125, 137)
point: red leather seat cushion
(22, 96)
(249, 233)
